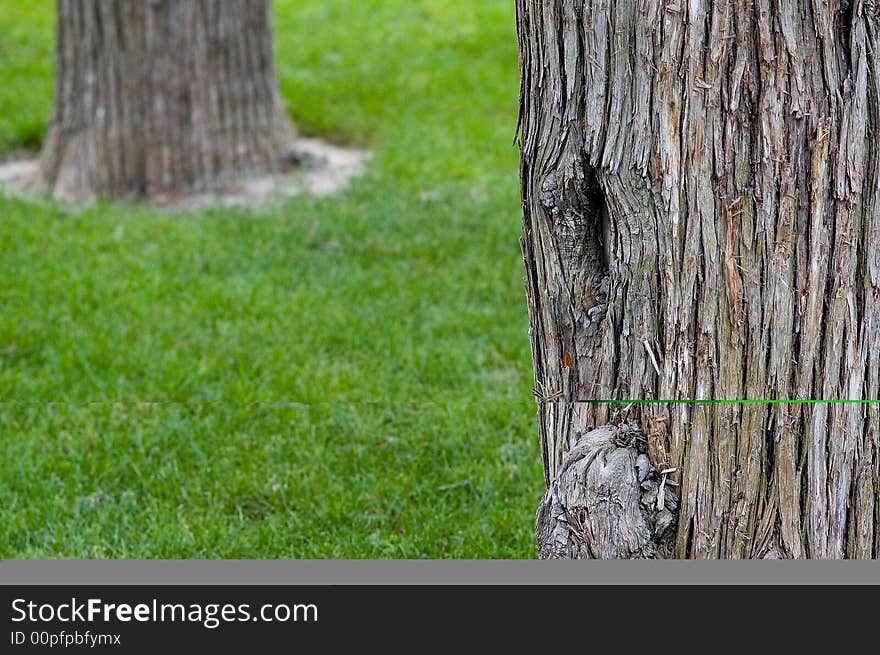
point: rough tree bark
(701, 201)
(162, 96)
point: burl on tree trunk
(701, 201)
(162, 96)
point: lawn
(344, 377)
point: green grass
(345, 377)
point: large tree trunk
(162, 96)
(701, 199)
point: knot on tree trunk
(608, 501)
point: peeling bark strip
(701, 212)
(162, 96)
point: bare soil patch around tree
(315, 168)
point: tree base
(314, 167)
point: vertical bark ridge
(711, 167)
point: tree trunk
(702, 222)
(162, 96)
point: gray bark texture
(161, 97)
(701, 211)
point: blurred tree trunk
(702, 221)
(162, 96)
